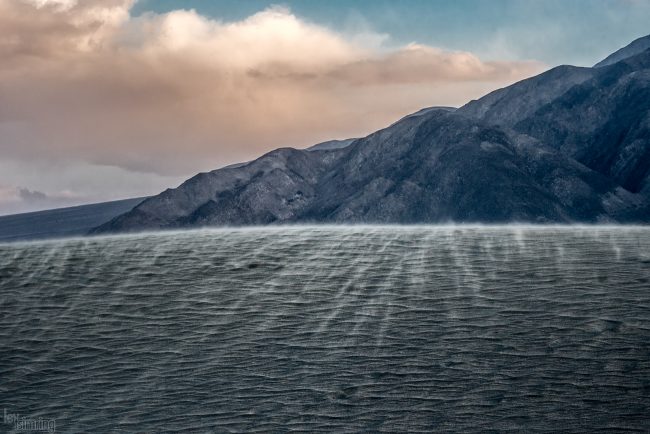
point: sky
(109, 99)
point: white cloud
(57, 4)
(179, 92)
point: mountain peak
(635, 47)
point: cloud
(178, 92)
(31, 196)
(18, 199)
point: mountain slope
(436, 167)
(602, 120)
(275, 187)
(444, 167)
(514, 103)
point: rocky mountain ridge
(569, 145)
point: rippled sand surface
(357, 329)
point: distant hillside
(62, 222)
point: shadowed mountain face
(443, 167)
(602, 119)
(569, 145)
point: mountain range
(569, 145)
